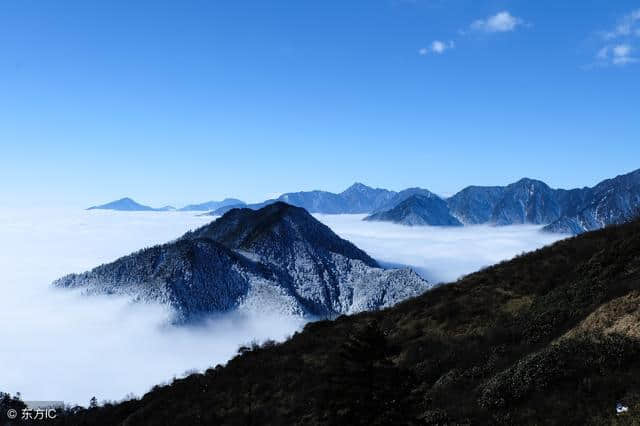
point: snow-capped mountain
(475, 204)
(526, 201)
(401, 196)
(277, 258)
(612, 201)
(360, 198)
(418, 210)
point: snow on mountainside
(277, 258)
(475, 204)
(402, 196)
(363, 199)
(612, 201)
(527, 201)
(316, 201)
(418, 210)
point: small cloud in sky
(620, 54)
(438, 47)
(499, 23)
(621, 41)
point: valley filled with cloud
(60, 345)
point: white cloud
(629, 25)
(440, 254)
(620, 54)
(438, 47)
(500, 22)
(621, 50)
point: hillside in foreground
(550, 337)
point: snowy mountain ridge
(278, 258)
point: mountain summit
(278, 258)
(123, 204)
(418, 210)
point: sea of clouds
(439, 254)
(59, 345)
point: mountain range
(549, 337)
(527, 201)
(277, 258)
(127, 204)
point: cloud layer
(59, 345)
(440, 254)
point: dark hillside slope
(550, 337)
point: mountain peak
(123, 204)
(357, 186)
(528, 181)
(418, 209)
(277, 223)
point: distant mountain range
(213, 205)
(526, 201)
(277, 258)
(127, 204)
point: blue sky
(185, 101)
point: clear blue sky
(185, 101)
